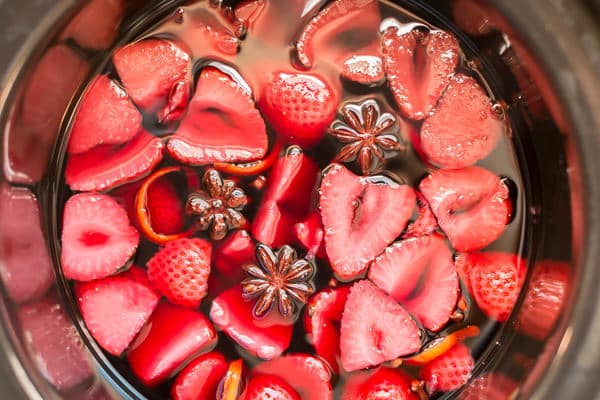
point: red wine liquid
(269, 46)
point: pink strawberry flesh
(53, 343)
(123, 297)
(200, 379)
(26, 268)
(309, 234)
(219, 105)
(165, 207)
(383, 384)
(248, 11)
(472, 205)
(269, 387)
(309, 377)
(265, 338)
(425, 224)
(149, 69)
(172, 337)
(419, 66)
(375, 328)
(233, 253)
(322, 322)
(281, 206)
(420, 274)
(449, 371)
(363, 69)
(494, 279)
(106, 167)
(371, 211)
(464, 127)
(97, 238)
(105, 116)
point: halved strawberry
(490, 386)
(363, 69)
(106, 167)
(201, 378)
(322, 322)
(494, 279)
(269, 387)
(383, 384)
(97, 238)
(309, 377)
(375, 328)
(299, 107)
(172, 336)
(105, 116)
(53, 343)
(150, 69)
(425, 224)
(472, 205)
(95, 26)
(449, 371)
(309, 234)
(419, 65)
(544, 298)
(125, 298)
(180, 271)
(235, 251)
(165, 207)
(420, 274)
(369, 211)
(464, 128)
(265, 338)
(220, 105)
(281, 206)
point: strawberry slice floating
(270, 387)
(201, 378)
(420, 274)
(97, 238)
(375, 328)
(235, 251)
(106, 167)
(364, 69)
(222, 124)
(151, 69)
(464, 127)
(369, 211)
(309, 234)
(306, 374)
(266, 338)
(425, 224)
(105, 116)
(472, 205)
(419, 65)
(449, 371)
(172, 336)
(383, 384)
(127, 297)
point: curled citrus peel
(233, 379)
(142, 213)
(251, 168)
(442, 345)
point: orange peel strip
(443, 345)
(233, 379)
(253, 168)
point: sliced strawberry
(149, 69)
(281, 207)
(375, 328)
(106, 167)
(235, 251)
(266, 338)
(299, 107)
(269, 387)
(383, 384)
(494, 279)
(449, 371)
(96, 25)
(471, 204)
(371, 211)
(490, 386)
(544, 298)
(420, 274)
(248, 11)
(53, 343)
(171, 337)
(124, 298)
(309, 377)
(364, 69)
(419, 66)
(425, 224)
(201, 378)
(26, 268)
(105, 116)
(165, 207)
(221, 105)
(309, 234)
(464, 127)
(180, 271)
(322, 323)
(97, 238)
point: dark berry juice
(320, 200)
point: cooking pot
(545, 59)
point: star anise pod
(366, 134)
(218, 208)
(279, 278)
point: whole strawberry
(299, 107)
(180, 271)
